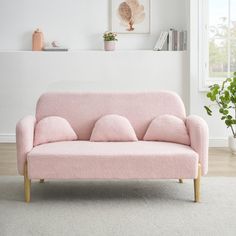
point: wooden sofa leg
(197, 183)
(27, 184)
(41, 181)
(180, 181)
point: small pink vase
(37, 41)
(109, 45)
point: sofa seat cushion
(112, 160)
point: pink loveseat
(83, 159)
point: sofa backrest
(82, 110)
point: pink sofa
(83, 159)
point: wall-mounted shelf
(90, 51)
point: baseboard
(218, 142)
(213, 142)
(7, 138)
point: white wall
(80, 24)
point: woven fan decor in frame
(130, 16)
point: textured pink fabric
(112, 160)
(198, 131)
(167, 128)
(82, 110)
(53, 129)
(113, 128)
(122, 160)
(24, 140)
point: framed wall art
(130, 16)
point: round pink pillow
(167, 128)
(53, 129)
(113, 128)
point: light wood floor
(221, 161)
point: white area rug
(118, 208)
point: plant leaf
(208, 110)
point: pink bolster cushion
(53, 129)
(167, 128)
(113, 128)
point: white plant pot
(232, 144)
(109, 45)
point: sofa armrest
(198, 132)
(24, 140)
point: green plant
(110, 36)
(224, 96)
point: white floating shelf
(90, 51)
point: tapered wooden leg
(27, 184)
(197, 183)
(41, 181)
(181, 181)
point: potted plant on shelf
(110, 41)
(224, 97)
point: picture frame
(130, 16)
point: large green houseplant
(224, 97)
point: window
(217, 30)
